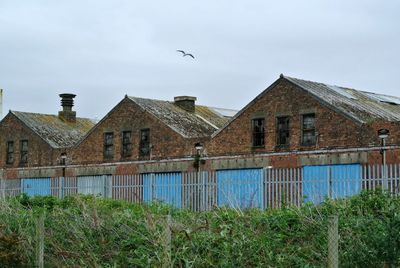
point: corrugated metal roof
(56, 132)
(360, 105)
(202, 123)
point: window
(108, 144)
(282, 130)
(10, 152)
(308, 136)
(258, 132)
(126, 143)
(24, 152)
(144, 147)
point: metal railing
(199, 191)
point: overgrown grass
(93, 232)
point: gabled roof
(56, 132)
(360, 106)
(202, 123)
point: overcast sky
(102, 50)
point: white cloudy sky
(104, 49)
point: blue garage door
(164, 187)
(335, 181)
(36, 186)
(241, 188)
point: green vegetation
(94, 232)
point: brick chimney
(67, 101)
(187, 103)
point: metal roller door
(334, 181)
(241, 188)
(165, 187)
(36, 186)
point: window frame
(258, 137)
(144, 145)
(279, 131)
(10, 154)
(24, 152)
(108, 145)
(126, 150)
(308, 130)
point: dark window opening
(108, 145)
(282, 131)
(258, 132)
(126, 143)
(10, 152)
(308, 130)
(24, 152)
(144, 147)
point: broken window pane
(282, 131)
(144, 146)
(24, 152)
(258, 132)
(126, 143)
(10, 152)
(308, 130)
(108, 144)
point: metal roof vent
(67, 102)
(187, 103)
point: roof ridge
(132, 97)
(55, 115)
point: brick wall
(39, 152)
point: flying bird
(184, 54)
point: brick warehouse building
(29, 141)
(296, 122)
(293, 123)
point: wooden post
(333, 242)
(40, 240)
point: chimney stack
(67, 101)
(187, 103)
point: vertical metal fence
(199, 191)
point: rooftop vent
(187, 103)
(67, 102)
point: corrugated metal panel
(164, 187)
(36, 186)
(95, 185)
(334, 181)
(383, 98)
(224, 112)
(341, 91)
(241, 188)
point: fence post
(167, 242)
(329, 183)
(333, 242)
(61, 187)
(40, 240)
(2, 188)
(203, 192)
(151, 182)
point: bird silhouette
(184, 54)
